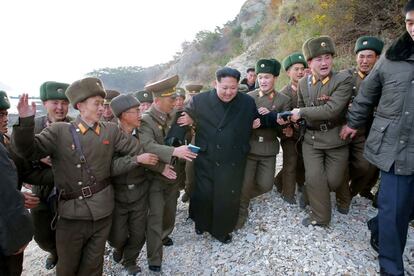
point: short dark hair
(250, 69)
(409, 7)
(227, 72)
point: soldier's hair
(250, 69)
(227, 72)
(409, 7)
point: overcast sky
(63, 40)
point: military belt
(323, 127)
(87, 191)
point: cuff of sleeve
(26, 122)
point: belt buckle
(261, 139)
(323, 127)
(131, 186)
(86, 192)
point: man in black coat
(224, 120)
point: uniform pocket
(376, 135)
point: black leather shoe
(132, 270)
(226, 239)
(343, 211)
(373, 240)
(51, 261)
(199, 232)
(155, 268)
(367, 195)
(117, 255)
(167, 241)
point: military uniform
(293, 170)
(325, 154)
(193, 89)
(264, 145)
(163, 193)
(86, 198)
(44, 213)
(110, 94)
(129, 218)
(363, 175)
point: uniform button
(407, 113)
(398, 170)
(218, 146)
(233, 164)
(217, 164)
(79, 182)
(412, 81)
(382, 128)
(78, 166)
(77, 130)
(402, 142)
(313, 137)
(80, 198)
(220, 129)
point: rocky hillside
(268, 29)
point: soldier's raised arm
(24, 141)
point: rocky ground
(273, 242)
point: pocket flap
(380, 124)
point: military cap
(52, 90)
(409, 6)
(317, 46)
(227, 72)
(4, 101)
(369, 43)
(292, 59)
(110, 94)
(271, 66)
(193, 88)
(243, 88)
(163, 88)
(122, 103)
(144, 96)
(179, 92)
(85, 88)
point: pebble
(273, 242)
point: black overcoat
(222, 133)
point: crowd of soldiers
(114, 173)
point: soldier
(81, 153)
(390, 88)
(325, 154)
(127, 234)
(145, 99)
(264, 145)
(107, 115)
(363, 175)
(250, 79)
(16, 225)
(293, 170)
(193, 89)
(163, 193)
(179, 98)
(56, 104)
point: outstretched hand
(23, 107)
